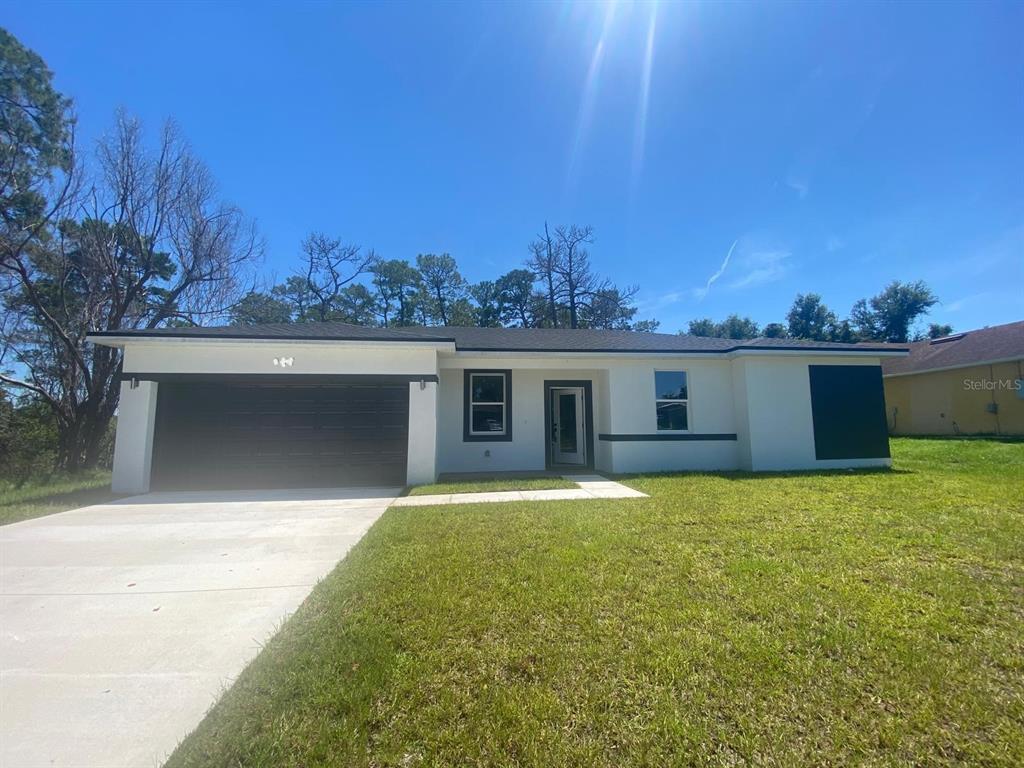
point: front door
(568, 438)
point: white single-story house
(332, 404)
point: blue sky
(836, 146)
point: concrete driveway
(120, 624)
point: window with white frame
(672, 401)
(487, 405)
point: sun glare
(640, 132)
(592, 85)
(590, 89)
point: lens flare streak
(590, 88)
(640, 128)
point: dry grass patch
(49, 496)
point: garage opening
(228, 436)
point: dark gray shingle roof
(495, 339)
(1000, 342)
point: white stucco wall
(624, 403)
(741, 413)
(780, 424)
(602, 407)
(258, 357)
(763, 399)
(422, 458)
(526, 450)
(711, 410)
(133, 443)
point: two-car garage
(241, 432)
(289, 405)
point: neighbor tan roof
(959, 350)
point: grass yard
(500, 484)
(802, 620)
(59, 494)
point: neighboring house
(331, 404)
(965, 384)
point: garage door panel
(213, 435)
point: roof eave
(817, 351)
(958, 366)
(119, 341)
(447, 344)
(726, 351)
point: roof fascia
(123, 341)
(816, 352)
(726, 353)
(957, 367)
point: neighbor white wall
(133, 443)
(779, 420)
(422, 459)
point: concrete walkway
(120, 624)
(590, 487)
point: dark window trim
(279, 379)
(466, 399)
(685, 401)
(667, 436)
(588, 422)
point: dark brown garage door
(236, 436)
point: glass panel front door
(568, 438)
(567, 423)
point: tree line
(556, 287)
(888, 316)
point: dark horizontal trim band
(280, 378)
(667, 436)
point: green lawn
(501, 484)
(804, 620)
(58, 494)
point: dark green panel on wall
(848, 407)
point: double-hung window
(672, 401)
(488, 396)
